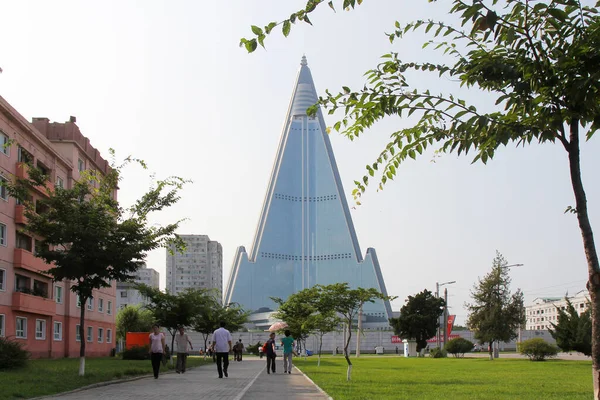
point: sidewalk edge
(311, 381)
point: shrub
(136, 353)
(252, 349)
(537, 349)
(12, 354)
(438, 353)
(458, 347)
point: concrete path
(248, 380)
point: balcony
(20, 217)
(23, 173)
(25, 260)
(33, 304)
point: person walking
(288, 351)
(182, 340)
(222, 348)
(157, 349)
(260, 349)
(240, 350)
(270, 353)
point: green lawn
(45, 377)
(450, 378)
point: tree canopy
(573, 331)
(495, 314)
(133, 319)
(171, 311)
(419, 318)
(215, 312)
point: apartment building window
(2, 317)
(4, 143)
(100, 305)
(109, 307)
(40, 329)
(21, 328)
(3, 239)
(3, 192)
(58, 331)
(59, 182)
(23, 241)
(123, 294)
(2, 280)
(108, 335)
(58, 294)
(77, 333)
(80, 165)
(100, 335)
(90, 333)
(23, 156)
(90, 303)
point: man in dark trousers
(222, 347)
(270, 351)
(239, 346)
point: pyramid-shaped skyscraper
(305, 235)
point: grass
(450, 378)
(45, 377)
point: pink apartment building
(42, 314)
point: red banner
(396, 339)
(450, 337)
(451, 319)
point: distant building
(543, 311)
(200, 267)
(127, 294)
(305, 235)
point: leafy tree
(573, 332)
(538, 61)
(458, 347)
(87, 237)
(419, 318)
(495, 314)
(215, 312)
(133, 319)
(346, 303)
(297, 312)
(174, 310)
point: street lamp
(497, 346)
(445, 316)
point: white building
(126, 292)
(199, 267)
(544, 310)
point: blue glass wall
(305, 234)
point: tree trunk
(491, 350)
(589, 247)
(320, 347)
(346, 355)
(83, 301)
(172, 344)
(205, 336)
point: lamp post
(497, 345)
(437, 294)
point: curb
(311, 381)
(101, 384)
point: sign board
(396, 339)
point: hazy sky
(166, 82)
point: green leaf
(558, 14)
(286, 28)
(256, 30)
(251, 45)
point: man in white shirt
(182, 341)
(222, 347)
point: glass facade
(305, 234)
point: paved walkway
(248, 380)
